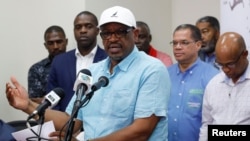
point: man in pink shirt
(143, 44)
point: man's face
(185, 48)
(55, 43)
(85, 31)
(118, 40)
(143, 40)
(231, 57)
(209, 36)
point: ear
(217, 35)
(66, 40)
(245, 54)
(136, 34)
(150, 38)
(198, 45)
(45, 45)
(97, 31)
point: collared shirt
(138, 87)
(165, 58)
(185, 103)
(38, 77)
(84, 61)
(226, 102)
(210, 59)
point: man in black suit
(66, 66)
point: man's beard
(209, 48)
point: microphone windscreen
(59, 92)
(85, 71)
(105, 80)
(83, 77)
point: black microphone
(50, 100)
(102, 82)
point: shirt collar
(47, 61)
(93, 52)
(152, 51)
(125, 63)
(190, 69)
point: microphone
(82, 85)
(50, 100)
(102, 82)
(83, 79)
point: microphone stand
(41, 117)
(40, 122)
(78, 105)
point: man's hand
(17, 95)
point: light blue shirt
(186, 97)
(138, 87)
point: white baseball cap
(118, 14)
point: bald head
(231, 55)
(230, 43)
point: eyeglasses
(183, 43)
(118, 34)
(230, 65)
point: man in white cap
(133, 107)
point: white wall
(235, 16)
(22, 27)
(188, 11)
(23, 24)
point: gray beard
(209, 48)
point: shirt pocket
(194, 105)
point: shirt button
(182, 82)
(175, 133)
(178, 106)
(180, 94)
(175, 119)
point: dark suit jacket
(5, 131)
(63, 74)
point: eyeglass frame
(230, 65)
(118, 34)
(182, 43)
